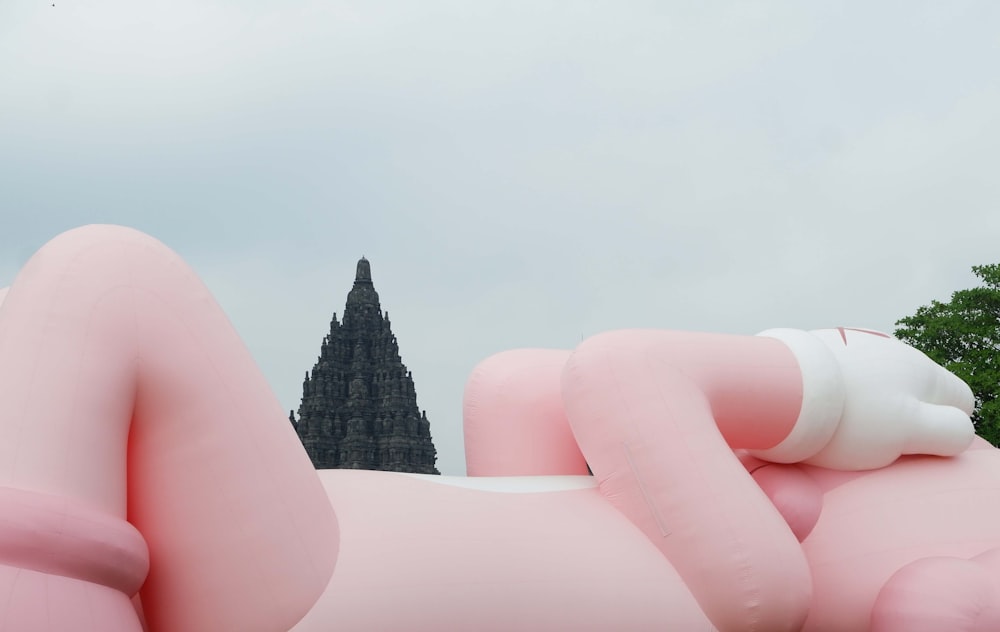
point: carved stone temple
(359, 406)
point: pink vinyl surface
(818, 481)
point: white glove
(893, 400)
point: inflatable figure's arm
(894, 401)
(513, 416)
(657, 415)
(515, 425)
(866, 400)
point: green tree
(963, 335)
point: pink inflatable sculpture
(817, 481)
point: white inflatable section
(511, 484)
(823, 397)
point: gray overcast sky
(519, 173)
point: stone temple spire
(364, 273)
(359, 406)
(362, 299)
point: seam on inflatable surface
(645, 493)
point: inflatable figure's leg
(126, 393)
(941, 593)
(657, 415)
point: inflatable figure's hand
(894, 401)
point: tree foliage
(963, 335)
